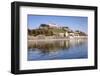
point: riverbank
(32, 38)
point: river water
(57, 49)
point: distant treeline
(36, 32)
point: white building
(51, 25)
(66, 34)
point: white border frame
(24, 64)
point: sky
(73, 22)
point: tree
(29, 32)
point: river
(57, 49)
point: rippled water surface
(57, 49)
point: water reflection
(57, 49)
